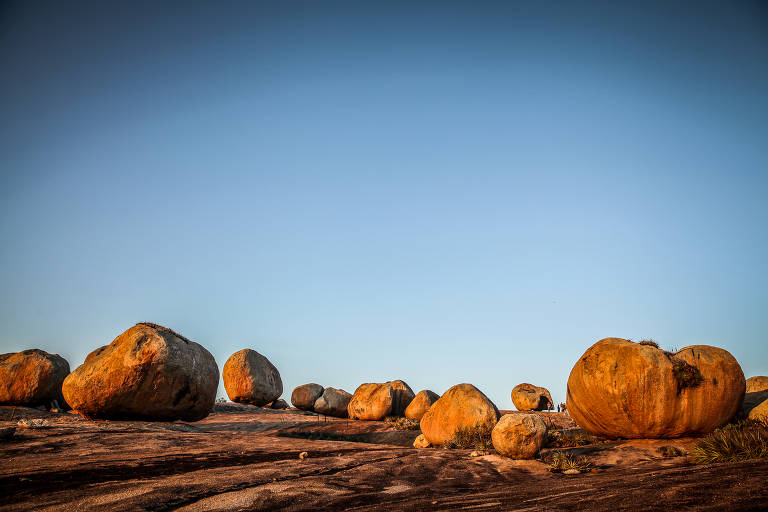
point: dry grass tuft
(165, 329)
(477, 437)
(650, 343)
(401, 423)
(744, 440)
(564, 461)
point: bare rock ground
(247, 458)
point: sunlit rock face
(249, 378)
(31, 378)
(421, 404)
(623, 389)
(148, 372)
(371, 401)
(462, 406)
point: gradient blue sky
(442, 193)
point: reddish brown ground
(246, 458)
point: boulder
(249, 378)
(519, 436)
(305, 396)
(528, 397)
(757, 383)
(32, 378)
(333, 402)
(757, 393)
(279, 404)
(421, 404)
(759, 412)
(371, 401)
(421, 442)
(148, 372)
(462, 406)
(95, 353)
(401, 397)
(623, 389)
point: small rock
(571, 472)
(596, 470)
(421, 442)
(303, 455)
(478, 453)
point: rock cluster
(327, 401)
(375, 401)
(249, 378)
(148, 372)
(32, 378)
(623, 389)
(528, 397)
(462, 406)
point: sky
(435, 192)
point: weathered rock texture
(250, 378)
(462, 406)
(421, 404)
(371, 401)
(305, 396)
(528, 397)
(757, 383)
(623, 389)
(32, 377)
(760, 412)
(148, 372)
(519, 436)
(401, 397)
(95, 353)
(333, 402)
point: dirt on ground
(249, 458)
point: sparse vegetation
(401, 423)
(747, 439)
(671, 451)
(477, 437)
(562, 461)
(687, 375)
(650, 343)
(560, 439)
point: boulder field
(528, 397)
(32, 378)
(635, 390)
(250, 378)
(148, 372)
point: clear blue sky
(455, 192)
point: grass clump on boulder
(477, 438)
(745, 440)
(687, 375)
(650, 343)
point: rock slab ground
(243, 457)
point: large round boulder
(759, 412)
(528, 397)
(249, 378)
(421, 404)
(401, 397)
(305, 396)
(333, 402)
(462, 406)
(519, 436)
(148, 372)
(634, 390)
(371, 401)
(32, 378)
